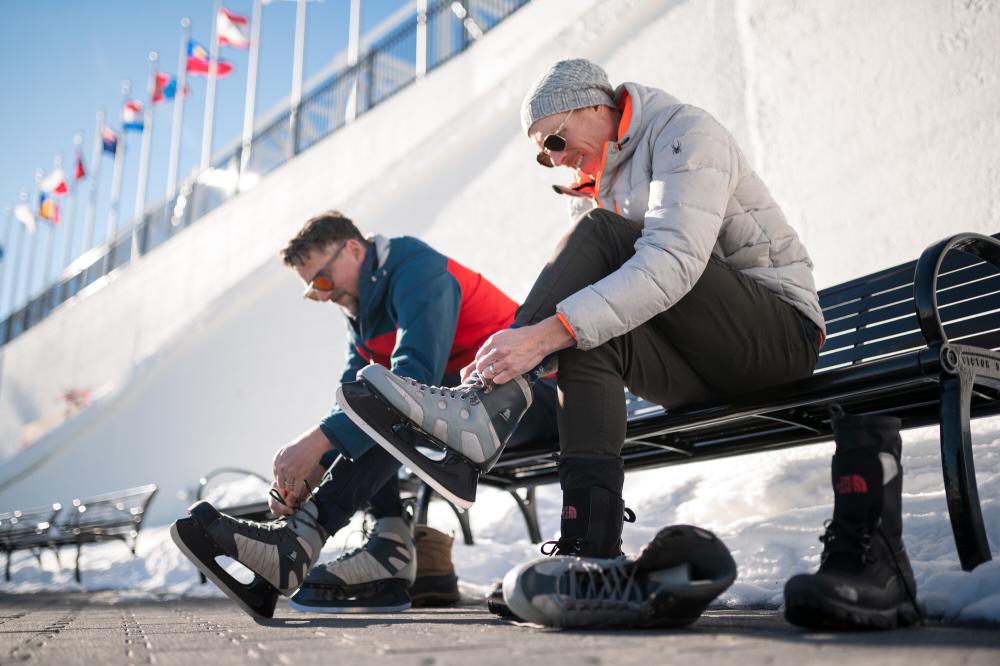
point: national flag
(109, 140)
(55, 184)
(199, 60)
(165, 87)
(25, 216)
(79, 171)
(47, 208)
(231, 29)
(132, 115)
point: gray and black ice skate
(279, 553)
(470, 423)
(864, 580)
(370, 579)
(674, 578)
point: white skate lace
(467, 390)
(606, 587)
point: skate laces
(601, 587)
(467, 390)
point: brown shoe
(436, 583)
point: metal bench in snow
(918, 341)
(26, 530)
(109, 517)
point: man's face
(585, 132)
(338, 266)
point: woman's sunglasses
(553, 143)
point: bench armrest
(926, 278)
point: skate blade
(363, 400)
(347, 610)
(257, 598)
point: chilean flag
(132, 115)
(231, 29)
(55, 184)
(198, 61)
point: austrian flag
(231, 29)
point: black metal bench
(113, 516)
(918, 341)
(26, 530)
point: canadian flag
(55, 183)
(231, 29)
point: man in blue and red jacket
(420, 314)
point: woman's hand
(514, 351)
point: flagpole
(177, 126)
(70, 223)
(147, 139)
(50, 252)
(421, 58)
(15, 272)
(95, 172)
(248, 107)
(29, 278)
(353, 55)
(213, 75)
(116, 178)
(297, 66)
(8, 217)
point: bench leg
(959, 471)
(463, 520)
(529, 510)
(79, 549)
(6, 574)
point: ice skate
(279, 553)
(370, 579)
(470, 423)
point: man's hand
(514, 351)
(297, 469)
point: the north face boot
(864, 580)
(593, 510)
(436, 583)
(370, 579)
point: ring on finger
(288, 485)
(492, 369)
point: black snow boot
(864, 580)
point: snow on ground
(768, 508)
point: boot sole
(347, 610)
(415, 465)
(816, 613)
(264, 595)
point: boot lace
(573, 546)
(839, 537)
(857, 542)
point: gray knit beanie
(567, 85)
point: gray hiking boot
(370, 579)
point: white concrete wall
(874, 124)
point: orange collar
(625, 106)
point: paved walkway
(106, 628)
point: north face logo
(505, 414)
(293, 556)
(569, 513)
(851, 483)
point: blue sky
(65, 59)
